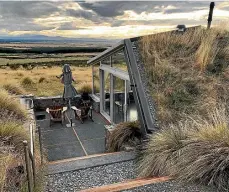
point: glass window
(119, 100)
(96, 82)
(107, 92)
(118, 61)
(132, 113)
(106, 61)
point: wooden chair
(83, 110)
(56, 114)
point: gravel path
(170, 186)
(90, 177)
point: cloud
(69, 26)
(27, 9)
(104, 18)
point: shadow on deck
(62, 142)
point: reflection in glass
(106, 61)
(119, 100)
(132, 113)
(118, 61)
(106, 92)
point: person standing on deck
(69, 90)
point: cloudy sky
(103, 19)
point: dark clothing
(69, 89)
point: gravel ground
(90, 177)
(170, 186)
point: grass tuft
(162, 151)
(14, 89)
(205, 157)
(127, 133)
(27, 81)
(85, 88)
(195, 151)
(10, 107)
(13, 133)
(42, 79)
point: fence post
(40, 143)
(33, 168)
(28, 167)
(212, 5)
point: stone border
(90, 161)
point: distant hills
(58, 39)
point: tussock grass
(85, 88)
(127, 133)
(205, 158)
(27, 81)
(42, 79)
(188, 77)
(14, 89)
(195, 151)
(13, 134)
(162, 151)
(187, 73)
(10, 107)
(5, 161)
(50, 86)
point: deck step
(89, 161)
(128, 184)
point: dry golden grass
(162, 151)
(188, 74)
(51, 86)
(85, 88)
(205, 157)
(12, 134)
(5, 161)
(195, 150)
(14, 89)
(11, 107)
(126, 133)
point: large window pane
(106, 61)
(119, 100)
(106, 92)
(118, 61)
(96, 83)
(132, 114)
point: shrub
(13, 133)
(42, 79)
(5, 161)
(85, 88)
(205, 158)
(127, 133)
(14, 66)
(10, 107)
(13, 89)
(162, 151)
(195, 151)
(27, 81)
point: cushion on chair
(55, 112)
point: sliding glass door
(117, 101)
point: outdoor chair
(83, 110)
(57, 114)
